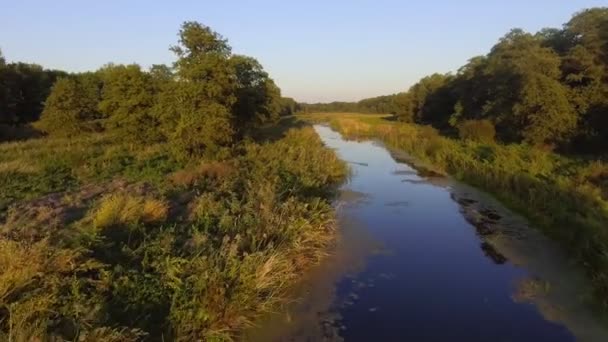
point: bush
(481, 131)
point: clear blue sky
(315, 50)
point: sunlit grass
(147, 246)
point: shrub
(481, 131)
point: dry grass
(190, 176)
(256, 221)
(26, 269)
(18, 166)
(124, 209)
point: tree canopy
(546, 89)
(206, 100)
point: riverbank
(439, 260)
(102, 240)
(566, 198)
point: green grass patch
(135, 245)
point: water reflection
(435, 278)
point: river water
(410, 266)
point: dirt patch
(46, 216)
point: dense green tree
(388, 104)
(430, 99)
(543, 111)
(202, 99)
(336, 106)
(127, 99)
(585, 72)
(23, 89)
(402, 103)
(4, 93)
(258, 98)
(69, 110)
(161, 76)
(289, 106)
(519, 90)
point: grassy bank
(107, 241)
(567, 198)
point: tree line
(23, 90)
(208, 98)
(546, 89)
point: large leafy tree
(23, 89)
(258, 97)
(289, 106)
(525, 96)
(197, 111)
(127, 99)
(585, 71)
(427, 98)
(70, 109)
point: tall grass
(567, 198)
(177, 251)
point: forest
(547, 89)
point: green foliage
(204, 94)
(126, 102)
(390, 104)
(120, 261)
(206, 128)
(546, 89)
(545, 112)
(258, 98)
(70, 109)
(585, 71)
(481, 131)
(289, 106)
(23, 89)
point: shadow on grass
(391, 118)
(277, 131)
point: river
(424, 258)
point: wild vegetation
(169, 204)
(566, 197)
(548, 89)
(175, 202)
(527, 122)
